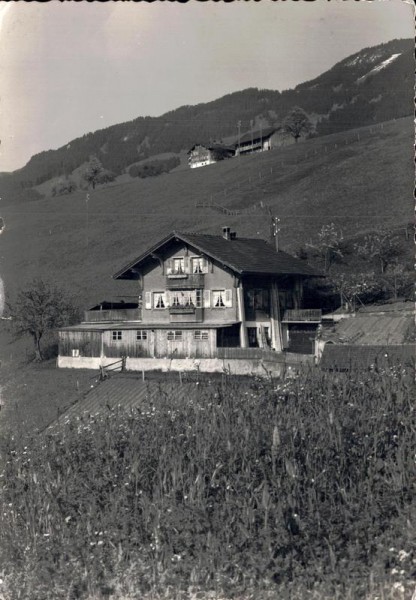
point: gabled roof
(244, 256)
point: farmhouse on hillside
(200, 155)
(259, 140)
(204, 301)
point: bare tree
(297, 123)
(380, 245)
(328, 244)
(39, 309)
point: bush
(154, 168)
(63, 187)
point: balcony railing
(302, 315)
(115, 314)
(184, 281)
(182, 310)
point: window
(75, 352)
(116, 336)
(159, 300)
(221, 298)
(174, 336)
(185, 298)
(200, 335)
(178, 265)
(218, 297)
(199, 264)
(141, 335)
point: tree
(297, 123)
(38, 310)
(328, 244)
(397, 279)
(93, 172)
(64, 186)
(357, 287)
(381, 245)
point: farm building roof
(371, 329)
(258, 134)
(339, 357)
(130, 392)
(122, 325)
(242, 255)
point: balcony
(185, 314)
(105, 316)
(302, 315)
(184, 281)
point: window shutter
(228, 298)
(207, 298)
(167, 299)
(148, 300)
(204, 265)
(169, 264)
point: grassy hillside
(357, 179)
(371, 86)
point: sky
(70, 68)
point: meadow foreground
(249, 489)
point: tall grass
(302, 489)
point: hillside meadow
(302, 489)
(358, 179)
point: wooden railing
(302, 315)
(184, 281)
(115, 314)
(247, 353)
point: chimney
(226, 233)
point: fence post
(180, 377)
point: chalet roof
(244, 256)
(346, 357)
(373, 329)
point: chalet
(204, 301)
(200, 155)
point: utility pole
(274, 230)
(239, 136)
(252, 134)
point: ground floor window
(174, 336)
(141, 335)
(200, 335)
(116, 336)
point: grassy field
(296, 490)
(358, 179)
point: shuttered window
(222, 298)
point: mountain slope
(357, 179)
(371, 86)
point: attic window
(199, 264)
